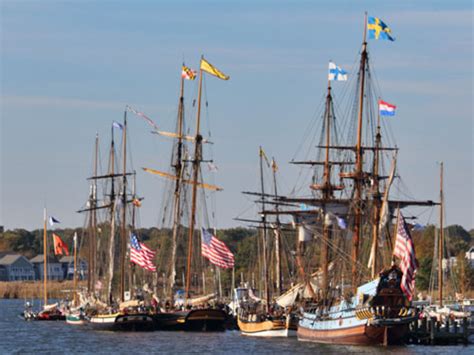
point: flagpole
(45, 261)
(196, 162)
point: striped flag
(216, 251)
(386, 109)
(141, 255)
(405, 250)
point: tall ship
(109, 302)
(366, 263)
(192, 310)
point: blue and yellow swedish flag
(378, 29)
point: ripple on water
(20, 337)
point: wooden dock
(433, 332)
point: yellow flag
(208, 67)
(263, 155)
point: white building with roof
(15, 267)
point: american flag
(405, 250)
(216, 251)
(141, 255)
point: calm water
(20, 337)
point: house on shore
(15, 267)
(55, 270)
(67, 264)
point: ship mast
(93, 225)
(327, 195)
(94, 216)
(131, 276)
(178, 168)
(441, 238)
(112, 217)
(277, 231)
(376, 199)
(264, 234)
(124, 209)
(358, 173)
(196, 166)
(75, 269)
(45, 260)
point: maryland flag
(60, 248)
(188, 73)
(136, 202)
(209, 68)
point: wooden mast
(376, 199)
(123, 232)
(112, 217)
(196, 165)
(327, 194)
(75, 269)
(93, 237)
(131, 280)
(358, 173)
(277, 230)
(441, 238)
(178, 168)
(264, 234)
(45, 260)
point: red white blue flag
(386, 109)
(216, 251)
(141, 255)
(405, 250)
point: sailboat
(50, 311)
(194, 316)
(75, 315)
(256, 317)
(366, 298)
(440, 310)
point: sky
(68, 68)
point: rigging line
(318, 232)
(309, 127)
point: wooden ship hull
(192, 320)
(363, 334)
(379, 315)
(123, 322)
(268, 328)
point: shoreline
(34, 289)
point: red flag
(60, 248)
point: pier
(430, 331)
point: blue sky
(68, 68)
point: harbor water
(20, 337)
